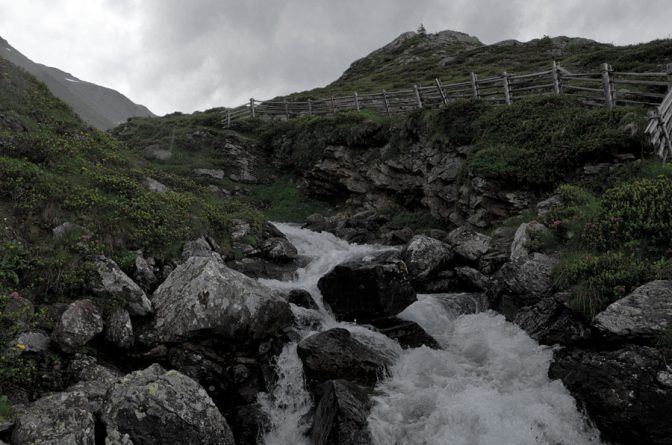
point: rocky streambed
(453, 339)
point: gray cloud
(176, 55)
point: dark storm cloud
(188, 55)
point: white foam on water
(488, 386)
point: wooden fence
(604, 87)
(660, 127)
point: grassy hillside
(415, 58)
(54, 169)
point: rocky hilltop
(98, 106)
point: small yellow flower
(21, 346)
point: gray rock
(525, 233)
(545, 206)
(245, 178)
(550, 322)
(627, 392)
(196, 248)
(154, 186)
(341, 415)
(424, 256)
(302, 298)
(156, 152)
(409, 334)
(529, 278)
(34, 341)
(469, 244)
(119, 329)
(474, 279)
(153, 406)
(646, 312)
(112, 282)
(66, 229)
(462, 303)
(365, 290)
(145, 275)
(335, 354)
(217, 174)
(278, 249)
(240, 229)
(19, 310)
(80, 322)
(202, 294)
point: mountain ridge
(99, 106)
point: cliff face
(100, 107)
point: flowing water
(487, 386)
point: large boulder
(627, 392)
(524, 235)
(365, 290)
(550, 321)
(424, 256)
(341, 415)
(469, 244)
(119, 329)
(335, 354)
(113, 283)
(153, 406)
(278, 249)
(302, 298)
(409, 334)
(203, 295)
(529, 278)
(80, 322)
(646, 312)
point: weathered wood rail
(604, 87)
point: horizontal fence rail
(605, 87)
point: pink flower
(86, 237)
(15, 295)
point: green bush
(639, 210)
(598, 279)
(13, 261)
(6, 411)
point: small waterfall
(488, 386)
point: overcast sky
(191, 55)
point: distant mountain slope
(450, 56)
(100, 107)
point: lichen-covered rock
(153, 185)
(550, 322)
(335, 354)
(196, 248)
(278, 249)
(525, 233)
(204, 295)
(31, 341)
(341, 415)
(529, 278)
(646, 312)
(119, 329)
(153, 406)
(627, 392)
(213, 173)
(424, 256)
(367, 289)
(469, 244)
(80, 322)
(113, 283)
(145, 273)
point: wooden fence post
(356, 101)
(507, 88)
(668, 70)
(284, 102)
(228, 118)
(440, 88)
(252, 107)
(333, 105)
(556, 78)
(606, 82)
(417, 96)
(310, 107)
(474, 86)
(387, 104)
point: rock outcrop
(550, 321)
(335, 354)
(646, 312)
(80, 322)
(424, 256)
(204, 295)
(154, 406)
(627, 392)
(366, 290)
(114, 283)
(341, 415)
